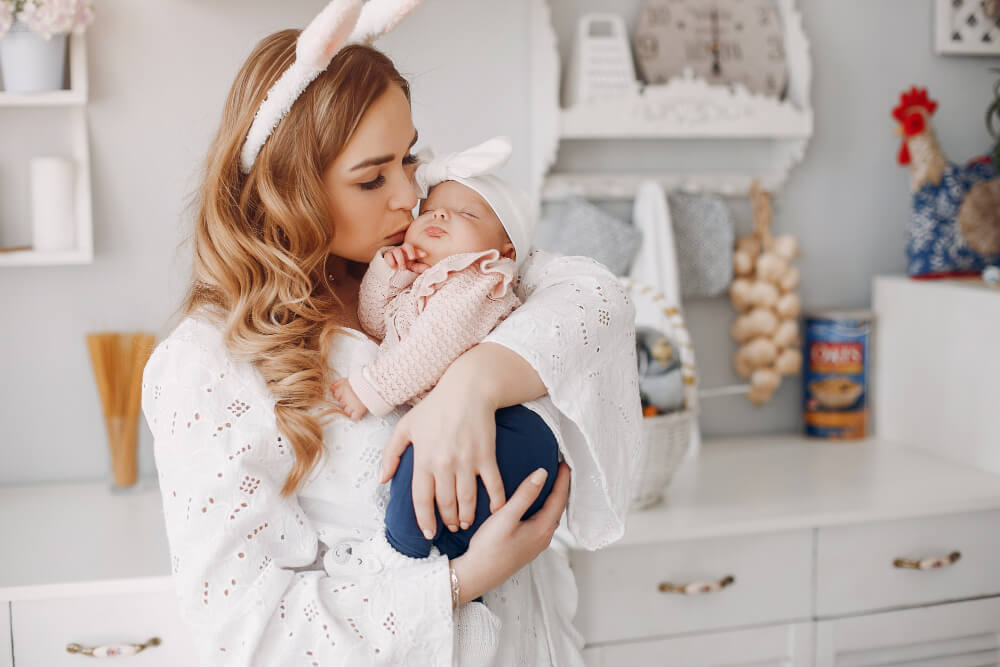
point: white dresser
(807, 530)
(802, 552)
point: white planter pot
(30, 63)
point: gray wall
(160, 69)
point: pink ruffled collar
(487, 262)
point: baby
(431, 299)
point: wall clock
(721, 41)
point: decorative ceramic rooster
(955, 228)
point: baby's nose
(441, 214)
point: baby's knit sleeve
(456, 317)
(380, 285)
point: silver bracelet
(454, 587)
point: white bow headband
(340, 23)
(479, 160)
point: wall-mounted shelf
(74, 101)
(683, 118)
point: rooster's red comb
(916, 97)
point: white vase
(30, 63)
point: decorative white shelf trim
(687, 107)
(606, 187)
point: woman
(273, 504)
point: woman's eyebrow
(382, 159)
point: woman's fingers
(394, 448)
(526, 493)
(494, 486)
(555, 504)
(423, 501)
(466, 492)
(444, 492)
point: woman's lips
(434, 231)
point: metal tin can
(835, 383)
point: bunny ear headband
(474, 169)
(340, 23)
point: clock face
(721, 41)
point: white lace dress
(309, 580)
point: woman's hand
(453, 431)
(504, 544)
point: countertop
(76, 536)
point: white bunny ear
(327, 33)
(379, 17)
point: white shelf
(690, 116)
(75, 101)
(36, 258)
(56, 98)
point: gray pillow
(703, 236)
(580, 228)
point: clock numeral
(764, 14)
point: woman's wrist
(462, 580)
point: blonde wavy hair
(261, 241)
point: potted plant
(33, 41)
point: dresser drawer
(856, 568)
(621, 597)
(43, 628)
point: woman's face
(370, 184)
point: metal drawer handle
(697, 587)
(932, 563)
(112, 650)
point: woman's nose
(404, 196)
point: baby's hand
(348, 400)
(405, 257)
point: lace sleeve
(576, 328)
(235, 541)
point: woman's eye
(410, 159)
(371, 185)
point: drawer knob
(112, 650)
(697, 587)
(932, 563)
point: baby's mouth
(434, 231)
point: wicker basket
(666, 437)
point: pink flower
(56, 17)
(6, 17)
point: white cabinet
(963, 634)
(665, 589)
(859, 567)
(43, 628)
(6, 650)
(33, 122)
(773, 646)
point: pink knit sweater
(427, 321)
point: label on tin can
(835, 383)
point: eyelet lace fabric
(309, 580)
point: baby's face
(455, 219)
